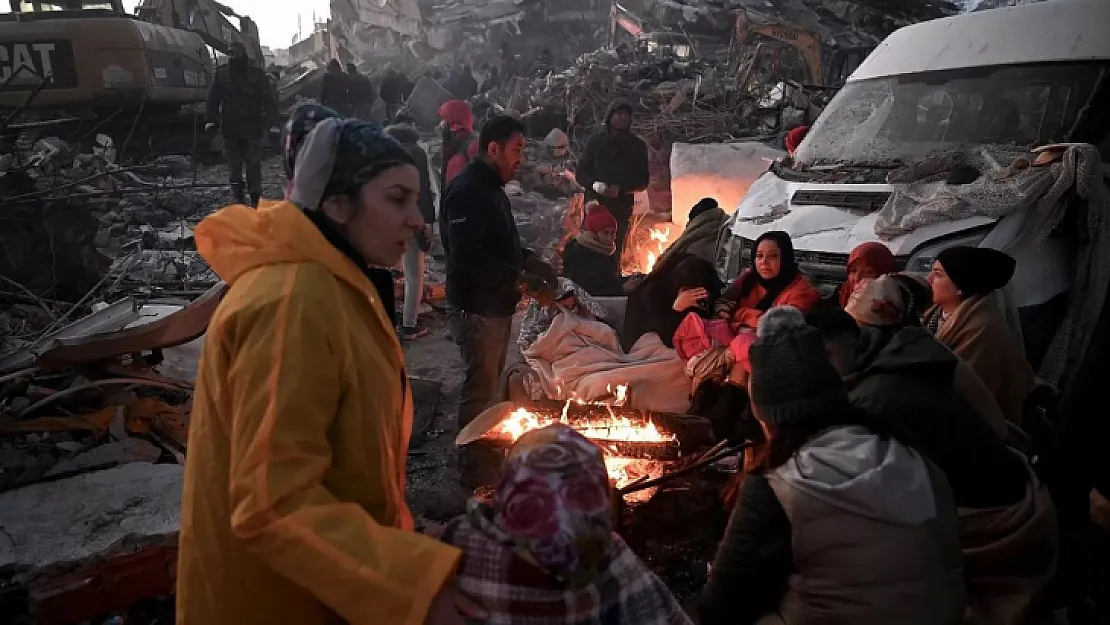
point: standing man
(334, 89)
(360, 91)
(486, 263)
(241, 105)
(615, 166)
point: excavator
(78, 68)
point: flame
(647, 250)
(624, 471)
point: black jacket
(598, 273)
(360, 91)
(755, 560)
(242, 102)
(335, 91)
(908, 378)
(393, 87)
(485, 258)
(410, 138)
(620, 159)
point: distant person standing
(360, 91)
(241, 105)
(393, 91)
(614, 166)
(335, 89)
(486, 263)
(405, 132)
(459, 144)
(508, 63)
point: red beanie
(598, 218)
(794, 138)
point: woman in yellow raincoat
(294, 505)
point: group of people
(883, 486)
(349, 93)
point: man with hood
(838, 519)
(486, 263)
(459, 144)
(335, 90)
(614, 166)
(360, 91)
(699, 237)
(895, 370)
(404, 130)
(241, 105)
(294, 508)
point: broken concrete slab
(117, 452)
(65, 522)
(425, 100)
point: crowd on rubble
(891, 426)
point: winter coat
(241, 102)
(614, 158)
(800, 294)
(462, 149)
(393, 87)
(699, 238)
(908, 378)
(871, 541)
(410, 138)
(294, 501)
(361, 93)
(485, 258)
(335, 92)
(598, 273)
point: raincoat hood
(853, 469)
(457, 115)
(616, 105)
(237, 239)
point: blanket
(582, 359)
(699, 238)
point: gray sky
(277, 19)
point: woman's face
(608, 236)
(861, 271)
(386, 217)
(768, 259)
(945, 292)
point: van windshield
(898, 119)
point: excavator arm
(805, 42)
(207, 18)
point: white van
(1020, 76)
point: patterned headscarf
(337, 156)
(553, 504)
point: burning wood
(645, 246)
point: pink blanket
(696, 334)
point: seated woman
(836, 521)
(652, 304)
(968, 318)
(773, 280)
(590, 259)
(866, 262)
(544, 551)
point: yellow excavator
(75, 68)
(756, 38)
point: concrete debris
(86, 516)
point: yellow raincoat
(294, 508)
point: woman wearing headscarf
(968, 317)
(543, 552)
(773, 280)
(866, 262)
(294, 501)
(838, 520)
(590, 258)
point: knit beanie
(598, 218)
(792, 379)
(977, 270)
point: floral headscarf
(553, 504)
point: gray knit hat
(792, 378)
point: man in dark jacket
(360, 91)
(335, 89)
(393, 91)
(404, 131)
(614, 166)
(486, 263)
(241, 104)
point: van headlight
(921, 261)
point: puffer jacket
(853, 530)
(294, 502)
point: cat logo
(29, 63)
